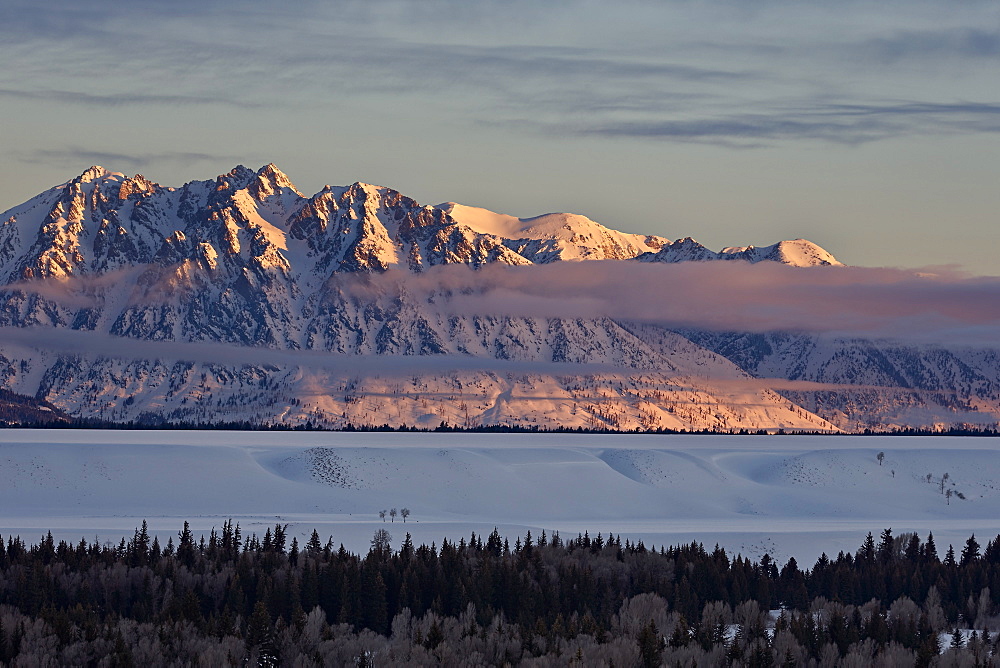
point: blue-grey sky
(872, 129)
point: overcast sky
(872, 129)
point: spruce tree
(970, 552)
(260, 636)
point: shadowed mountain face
(20, 409)
(241, 298)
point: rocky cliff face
(240, 298)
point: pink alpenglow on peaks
(241, 298)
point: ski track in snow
(784, 496)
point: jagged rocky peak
(103, 183)
(136, 184)
(238, 178)
(271, 181)
(345, 228)
(93, 173)
(271, 173)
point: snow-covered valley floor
(783, 495)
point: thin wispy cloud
(80, 155)
(102, 344)
(949, 43)
(595, 89)
(848, 124)
(118, 99)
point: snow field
(785, 496)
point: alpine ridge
(240, 298)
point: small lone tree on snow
(393, 513)
(381, 514)
(405, 512)
(880, 456)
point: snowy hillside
(787, 496)
(891, 385)
(566, 236)
(555, 236)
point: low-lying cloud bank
(79, 342)
(61, 341)
(939, 307)
(935, 306)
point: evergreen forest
(230, 599)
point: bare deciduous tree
(405, 512)
(382, 540)
(393, 513)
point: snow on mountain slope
(872, 384)
(554, 236)
(567, 236)
(485, 221)
(796, 253)
(548, 373)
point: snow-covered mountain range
(241, 298)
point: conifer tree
(970, 552)
(260, 636)
(185, 546)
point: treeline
(231, 600)
(21, 420)
(18, 409)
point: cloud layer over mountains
(939, 306)
(935, 306)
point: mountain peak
(804, 252)
(134, 184)
(93, 173)
(271, 172)
(237, 178)
(795, 252)
(270, 180)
